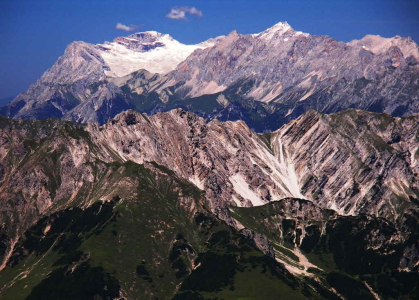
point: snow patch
(278, 29)
(123, 61)
(284, 169)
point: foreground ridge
(148, 206)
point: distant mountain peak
(157, 52)
(150, 36)
(233, 33)
(280, 26)
(378, 44)
(279, 29)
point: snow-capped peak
(150, 50)
(281, 26)
(279, 29)
(150, 36)
(151, 32)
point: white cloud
(123, 27)
(179, 13)
(176, 14)
(196, 12)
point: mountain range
(264, 79)
(276, 165)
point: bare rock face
(230, 162)
(260, 240)
(352, 162)
(356, 162)
(281, 62)
(378, 45)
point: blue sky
(35, 33)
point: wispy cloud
(123, 27)
(180, 12)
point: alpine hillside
(145, 207)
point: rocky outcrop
(260, 240)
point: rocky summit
(147, 206)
